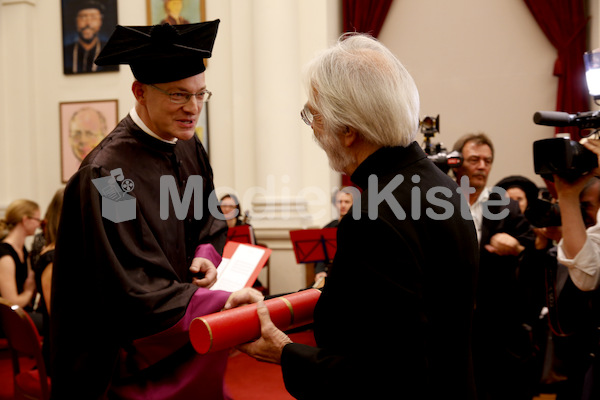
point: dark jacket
(394, 318)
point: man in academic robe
(403, 329)
(125, 285)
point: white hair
(359, 83)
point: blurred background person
(17, 281)
(520, 189)
(43, 268)
(342, 201)
(503, 351)
(232, 211)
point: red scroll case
(239, 325)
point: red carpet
(246, 378)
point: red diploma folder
(240, 234)
(313, 245)
(239, 325)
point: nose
(193, 105)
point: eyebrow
(182, 89)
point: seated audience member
(406, 335)
(232, 210)
(502, 350)
(43, 268)
(342, 202)
(17, 280)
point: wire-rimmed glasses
(183, 97)
(307, 116)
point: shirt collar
(138, 121)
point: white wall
(483, 66)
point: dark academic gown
(85, 60)
(122, 299)
(394, 318)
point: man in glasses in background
(124, 293)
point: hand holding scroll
(242, 297)
(269, 346)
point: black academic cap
(161, 53)
(89, 4)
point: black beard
(88, 41)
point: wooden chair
(24, 340)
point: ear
(139, 91)
(350, 136)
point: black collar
(387, 160)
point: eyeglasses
(183, 97)
(307, 116)
(35, 219)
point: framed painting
(175, 12)
(83, 124)
(86, 26)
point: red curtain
(564, 24)
(365, 16)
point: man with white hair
(406, 331)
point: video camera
(544, 213)
(437, 153)
(562, 156)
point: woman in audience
(17, 282)
(43, 268)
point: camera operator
(572, 313)
(579, 249)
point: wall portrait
(175, 12)
(87, 25)
(83, 125)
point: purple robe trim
(200, 376)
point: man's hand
(205, 266)
(242, 297)
(504, 245)
(270, 345)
